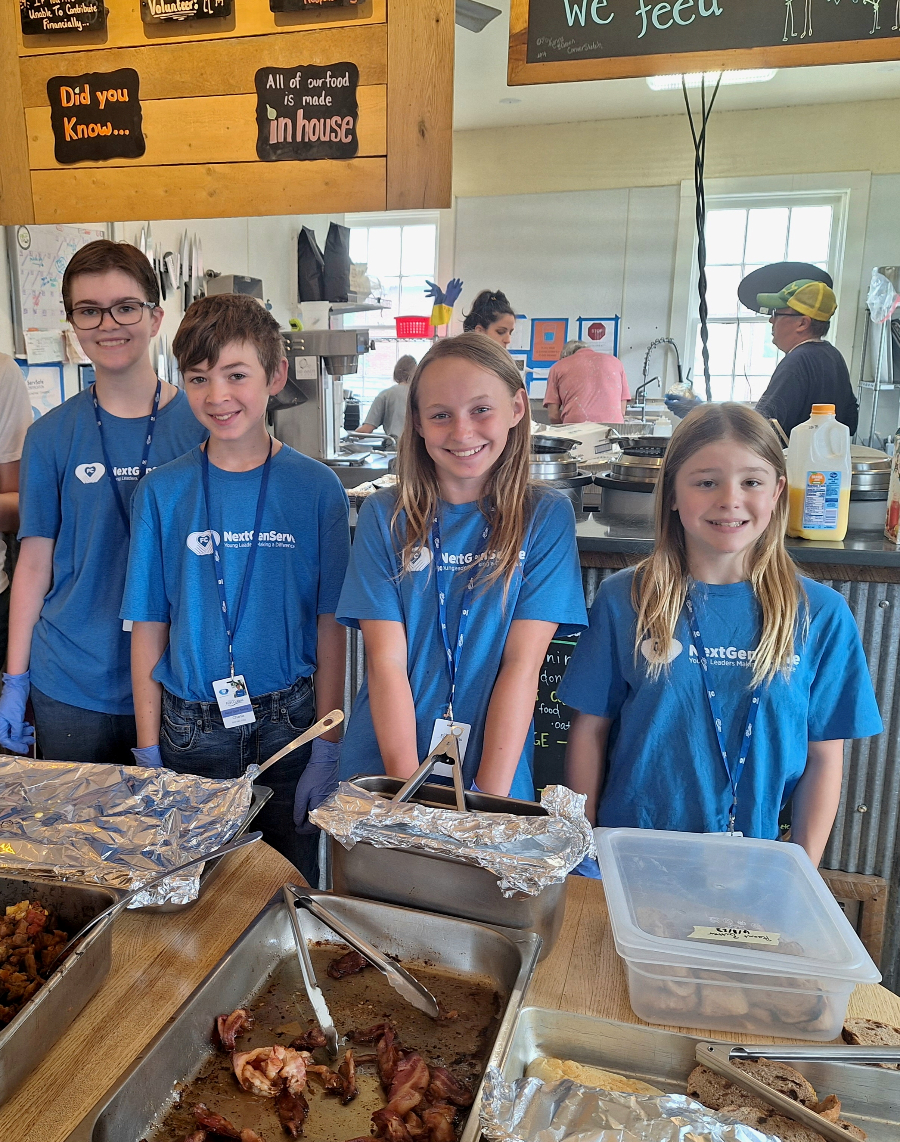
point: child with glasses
(68, 648)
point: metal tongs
(717, 1057)
(446, 750)
(398, 977)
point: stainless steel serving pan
(127, 1111)
(442, 884)
(870, 1096)
(44, 1018)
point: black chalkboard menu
(40, 17)
(307, 112)
(573, 31)
(551, 718)
(309, 5)
(96, 116)
(153, 11)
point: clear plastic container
(729, 934)
(819, 471)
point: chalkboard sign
(309, 5)
(604, 38)
(96, 116)
(551, 718)
(307, 112)
(40, 17)
(155, 11)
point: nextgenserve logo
(90, 473)
(201, 542)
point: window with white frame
(742, 235)
(402, 255)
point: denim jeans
(193, 739)
(68, 733)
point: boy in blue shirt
(238, 553)
(81, 463)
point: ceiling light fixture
(474, 16)
(729, 78)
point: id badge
(441, 728)
(127, 625)
(233, 698)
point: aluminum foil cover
(114, 825)
(526, 854)
(529, 1110)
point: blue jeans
(193, 739)
(69, 733)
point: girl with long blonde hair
(715, 684)
(459, 577)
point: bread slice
(550, 1070)
(784, 1129)
(715, 1091)
(871, 1033)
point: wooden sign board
(54, 17)
(157, 11)
(307, 112)
(570, 40)
(96, 116)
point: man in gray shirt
(389, 407)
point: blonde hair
(506, 500)
(661, 580)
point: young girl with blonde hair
(715, 684)
(459, 577)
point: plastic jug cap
(822, 409)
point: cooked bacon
(292, 1110)
(445, 1088)
(348, 964)
(215, 1122)
(347, 1071)
(230, 1026)
(331, 1081)
(411, 1080)
(195, 1136)
(371, 1034)
(439, 1121)
(309, 1040)
(249, 1135)
(267, 1069)
(388, 1124)
(414, 1124)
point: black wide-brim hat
(773, 279)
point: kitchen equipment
(44, 1018)
(397, 976)
(626, 499)
(729, 933)
(137, 1099)
(629, 467)
(313, 991)
(665, 1059)
(551, 442)
(442, 884)
(322, 726)
(552, 466)
(446, 752)
(109, 914)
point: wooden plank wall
(198, 103)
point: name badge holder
(448, 725)
(734, 776)
(232, 695)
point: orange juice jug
(818, 466)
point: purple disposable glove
(15, 733)
(148, 756)
(318, 781)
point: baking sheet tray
(44, 1018)
(140, 1098)
(870, 1096)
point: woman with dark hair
(492, 314)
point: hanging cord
(700, 192)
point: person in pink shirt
(586, 386)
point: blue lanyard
(142, 470)
(455, 654)
(232, 625)
(734, 776)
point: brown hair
(214, 322)
(102, 256)
(488, 307)
(507, 496)
(661, 580)
(404, 369)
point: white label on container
(726, 935)
(821, 500)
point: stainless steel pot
(553, 467)
(642, 469)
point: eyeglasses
(793, 313)
(122, 313)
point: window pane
(720, 386)
(721, 290)
(742, 309)
(810, 233)
(756, 355)
(412, 297)
(721, 350)
(418, 250)
(384, 251)
(359, 244)
(725, 236)
(391, 287)
(767, 235)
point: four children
(713, 683)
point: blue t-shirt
(79, 653)
(301, 557)
(664, 769)
(550, 590)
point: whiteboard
(38, 256)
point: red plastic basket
(408, 327)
